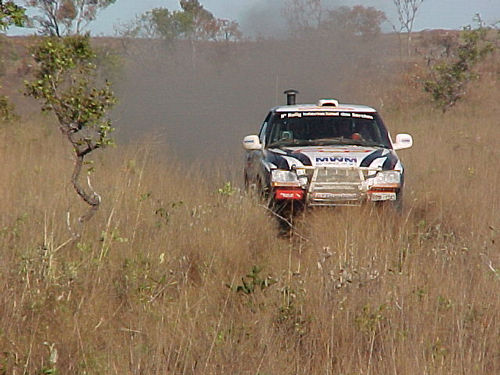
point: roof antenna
(291, 96)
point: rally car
(324, 154)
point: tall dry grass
(174, 277)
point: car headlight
(280, 177)
(387, 178)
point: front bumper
(340, 186)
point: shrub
(450, 75)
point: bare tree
(66, 17)
(407, 11)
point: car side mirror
(252, 142)
(403, 141)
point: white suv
(324, 154)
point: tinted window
(329, 127)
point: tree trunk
(92, 199)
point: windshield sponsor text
(329, 114)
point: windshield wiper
(331, 141)
(349, 141)
(289, 142)
(374, 144)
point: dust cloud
(264, 19)
(198, 101)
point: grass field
(174, 276)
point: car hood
(334, 156)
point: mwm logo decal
(336, 159)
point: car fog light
(387, 178)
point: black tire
(398, 203)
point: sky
(261, 17)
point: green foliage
(165, 24)
(290, 316)
(449, 76)
(253, 280)
(66, 17)
(143, 279)
(199, 23)
(11, 14)
(64, 84)
(227, 190)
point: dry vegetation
(174, 277)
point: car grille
(336, 186)
(337, 175)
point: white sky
(433, 14)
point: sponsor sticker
(292, 115)
(335, 196)
(379, 197)
(309, 114)
(326, 113)
(289, 194)
(362, 115)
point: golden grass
(161, 280)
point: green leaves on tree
(64, 84)
(11, 14)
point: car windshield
(326, 128)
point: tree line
(194, 22)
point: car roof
(315, 107)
